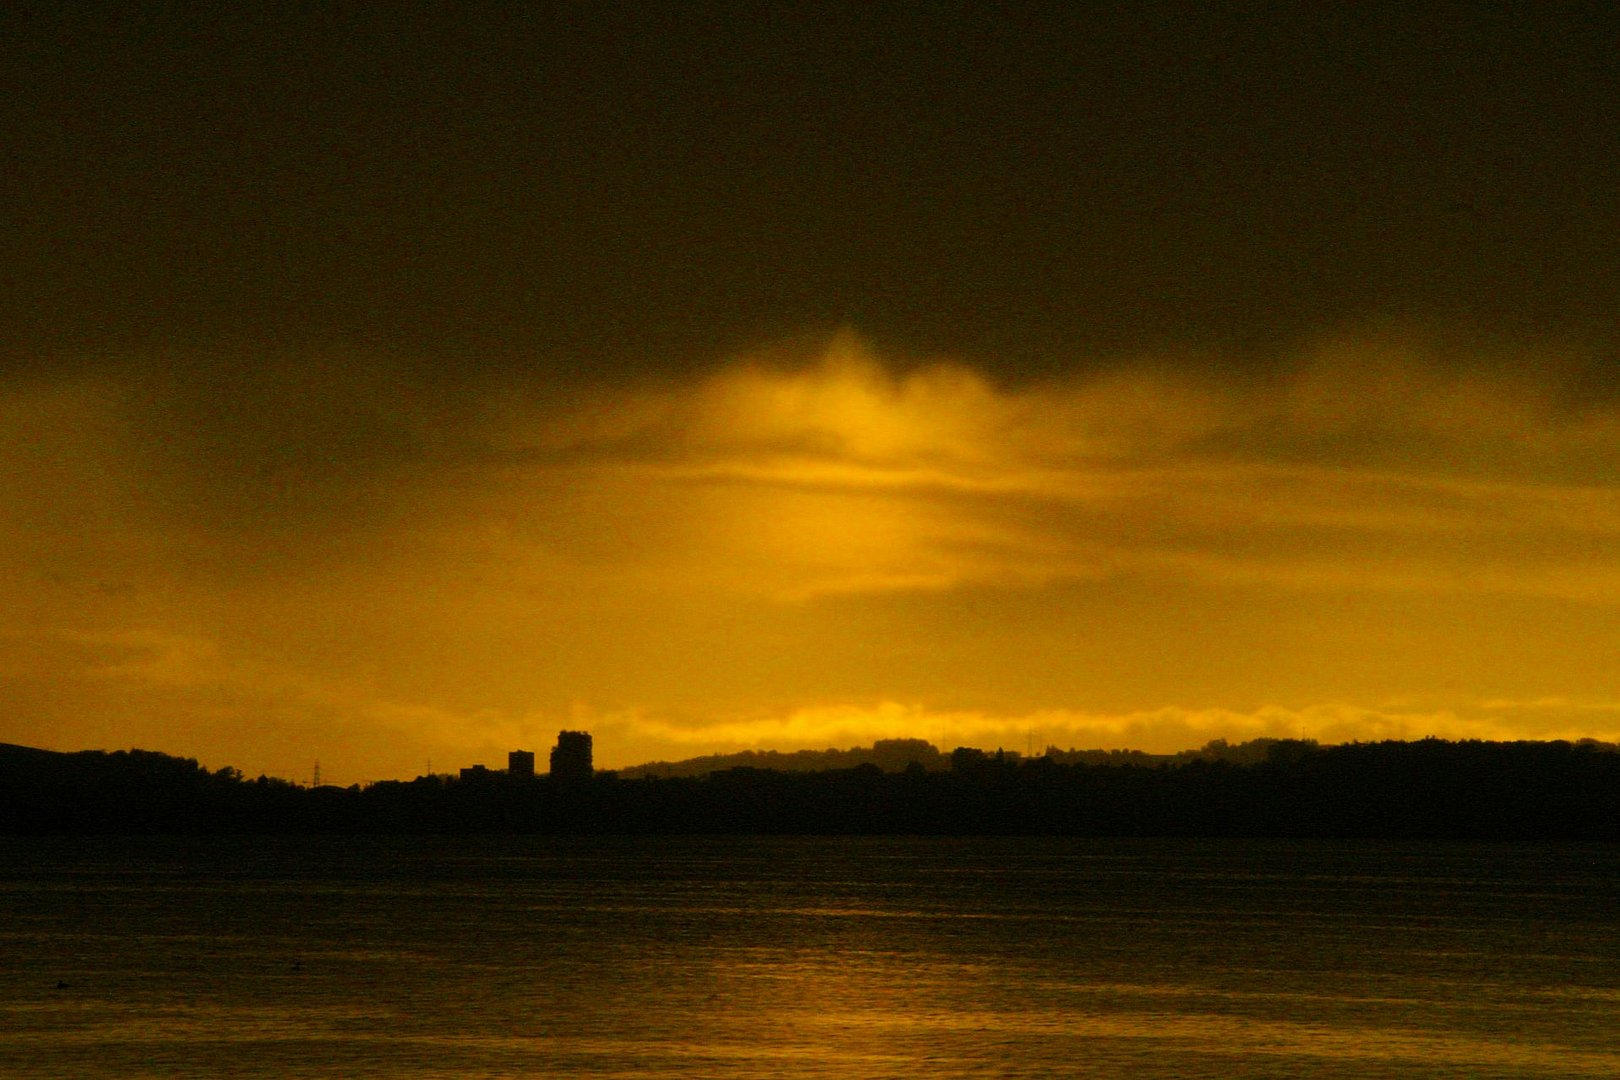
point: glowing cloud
(841, 475)
(775, 553)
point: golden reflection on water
(853, 1007)
(1241, 1036)
(793, 966)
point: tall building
(520, 763)
(571, 758)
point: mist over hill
(894, 755)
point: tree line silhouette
(1278, 788)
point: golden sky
(385, 383)
(262, 566)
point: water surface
(781, 957)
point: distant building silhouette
(520, 763)
(475, 772)
(571, 758)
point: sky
(384, 385)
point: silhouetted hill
(893, 755)
(890, 755)
(120, 791)
(1431, 788)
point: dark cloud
(563, 187)
(294, 441)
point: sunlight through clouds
(804, 551)
(842, 475)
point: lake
(797, 957)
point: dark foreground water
(847, 958)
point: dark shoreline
(1431, 789)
